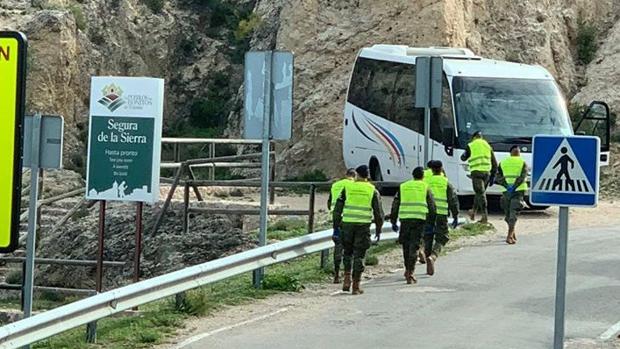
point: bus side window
(358, 89)
(403, 108)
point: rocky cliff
(197, 46)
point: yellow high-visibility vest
(358, 203)
(511, 168)
(480, 157)
(439, 188)
(413, 200)
(337, 188)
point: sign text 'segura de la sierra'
(125, 139)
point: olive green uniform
(411, 228)
(356, 231)
(482, 166)
(512, 171)
(334, 194)
(446, 202)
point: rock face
(326, 37)
(195, 46)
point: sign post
(565, 172)
(42, 149)
(13, 46)
(268, 115)
(429, 78)
(124, 152)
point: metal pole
(427, 134)
(560, 281)
(138, 252)
(91, 328)
(264, 190)
(212, 155)
(186, 209)
(32, 217)
(272, 174)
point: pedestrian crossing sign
(565, 171)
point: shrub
(78, 15)
(587, 35)
(281, 282)
(14, 277)
(195, 303)
(247, 26)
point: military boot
(356, 287)
(472, 215)
(510, 238)
(484, 219)
(430, 264)
(421, 256)
(336, 276)
(346, 284)
(410, 277)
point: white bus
(508, 102)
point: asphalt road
(490, 296)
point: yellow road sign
(12, 94)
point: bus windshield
(509, 111)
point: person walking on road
(446, 202)
(511, 175)
(334, 193)
(482, 167)
(415, 207)
(358, 206)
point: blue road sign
(565, 171)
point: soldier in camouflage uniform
(335, 191)
(357, 208)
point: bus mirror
(448, 137)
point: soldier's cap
(437, 164)
(362, 171)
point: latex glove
(511, 189)
(455, 222)
(336, 235)
(395, 228)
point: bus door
(596, 122)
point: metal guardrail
(69, 316)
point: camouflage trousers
(355, 243)
(512, 203)
(338, 250)
(479, 181)
(437, 237)
(410, 236)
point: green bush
(78, 14)
(52, 296)
(247, 26)
(155, 5)
(281, 282)
(371, 260)
(587, 35)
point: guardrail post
(176, 152)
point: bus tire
(534, 207)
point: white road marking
(201, 336)
(612, 331)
